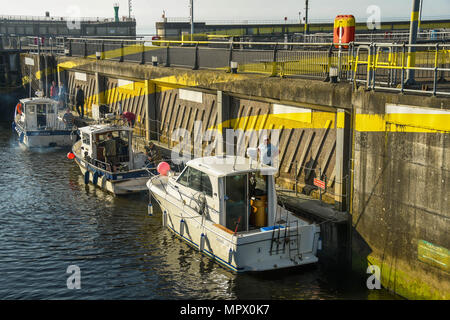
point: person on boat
(62, 95)
(54, 91)
(267, 151)
(153, 156)
(110, 151)
(79, 101)
(68, 119)
(130, 117)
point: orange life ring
(19, 108)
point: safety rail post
(327, 71)
(349, 60)
(274, 62)
(70, 48)
(121, 52)
(85, 49)
(167, 64)
(102, 56)
(374, 65)
(143, 53)
(403, 68)
(436, 63)
(369, 66)
(230, 57)
(195, 66)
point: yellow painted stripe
(414, 15)
(403, 123)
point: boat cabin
(236, 190)
(38, 114)
(108, 147)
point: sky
(147, 12)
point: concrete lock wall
(385, 156)
(400, 197)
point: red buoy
(70, 156)
(163, 168)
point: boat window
(257, 184)
(30, 109)
(197, 180)
(86, 139)
(41, 108)
(236, 202)
(121, 145)
(51, 108)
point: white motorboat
(121, 171)
(39, 124)
(226, 207)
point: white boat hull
(45, 139)
(242, 252)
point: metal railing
(55, 18)
(377, 65)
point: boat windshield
(236, 202)
(196, 180)
(116, 148)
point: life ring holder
(19, 108)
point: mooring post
(414, 24)
(143, 53)
(167, 64)
(342, 158)
(121, 52)
(195, 67)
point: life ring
(19, 108)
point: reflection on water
(50, 220)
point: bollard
(167, 64)
(150, 209)
(195, 67)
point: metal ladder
(293, 241)
(290, 240)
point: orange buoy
(344, 30)
(19, 108)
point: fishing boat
(39, 124)
(226, 207)
(106, 159)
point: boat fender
(319, 244)
(13, 126)
(86, 177)
(164, 219)
(21, 137)
(181, 226)
(230, 255)
(150, 209)
(95, 178)
(202, 242)
(103, 182)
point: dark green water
(50, 220)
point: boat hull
(118, 183)
(46, 138)
(254, 251)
